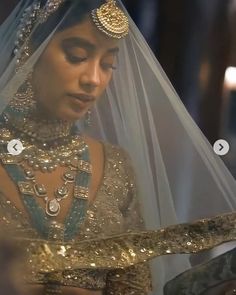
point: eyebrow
(81, 42)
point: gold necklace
(47, 144)
(52, 206)
(31, 187)
(38, 157)
(42, 130)
(45, 160)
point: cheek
(106, 80)
(50, 71)
(51, 77)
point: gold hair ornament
(111, 20)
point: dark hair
(74, 11)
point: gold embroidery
(109, 214)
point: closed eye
(107, 66)
(75, 59)
(75, 54)
(109, 62)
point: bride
(81, 93)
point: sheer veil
(179, 177)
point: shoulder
(116, 159)
(92, 143)
(116, 153)
(111, 152)
(118, 162)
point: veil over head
(179, 178)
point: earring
(23, 101)
(88, 120)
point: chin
(71, 116)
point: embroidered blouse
(114, 211)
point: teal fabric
(40, 221)
(37, 214)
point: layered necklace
(47, 145)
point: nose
(91, 76)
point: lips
(82, 97)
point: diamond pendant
(52, 207)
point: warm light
(230, 77)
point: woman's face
(74, 71)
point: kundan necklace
(39, 154)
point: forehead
(87, 30)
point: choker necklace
(47, 145)
(36, 128)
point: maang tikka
(111, 20)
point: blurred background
(195, 42)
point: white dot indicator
(221, 147)
(15, 147)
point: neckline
(27, 219)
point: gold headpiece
(111, 20)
